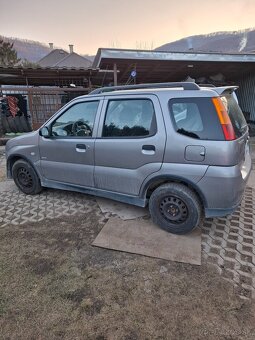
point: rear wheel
(175, 208)
(26, 178)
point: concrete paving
(251, 180)
(124, 211)
(8, 185)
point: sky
(144, 24)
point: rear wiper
(188, 133)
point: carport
(138, 66)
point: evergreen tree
(8, 55)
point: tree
(28, 64)
(8, 55)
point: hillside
(28, 49)
(226, 42)
(31, 50)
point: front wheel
(26, 178)
(175, 208)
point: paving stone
(229, 244)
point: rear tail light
(224, 119)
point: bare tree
(144, 45)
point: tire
(175, 208)
(24, 124)
(12, 124)
(26, 178)
(5, 125)
(16, 122)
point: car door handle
(148, 149)
(80, 148)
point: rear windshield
(235, 114)
(196, 118)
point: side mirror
(44, 132)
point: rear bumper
(223, 188)
(209, 213)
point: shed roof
(46, 76)
(157, 66)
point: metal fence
(42, 103)
(246, 96)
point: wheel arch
(15, 157)
(155, 182)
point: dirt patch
(54, 284)
(40, 266)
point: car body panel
(118, 168)
(123, 162)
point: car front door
(130, 144)
(67, 155)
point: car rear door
(130, 144)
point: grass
(54, 284)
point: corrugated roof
(157, 66)
(45, 76)
(105, 53)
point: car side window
(76, 121)
(196, 118)
(129, 118)
(187, 117)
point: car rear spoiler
(225, 89)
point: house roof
(52, 58)
(73, 60)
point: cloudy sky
(89, 24)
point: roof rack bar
(184, 85)
(206, 85)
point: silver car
(180, 148)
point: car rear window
(235, 114)
(196, 118)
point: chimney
(51, 46)
(71, 48)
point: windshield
(235, 114)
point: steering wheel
(80, 128)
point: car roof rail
(184, 85)
(206, 85)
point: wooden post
(115, 77)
